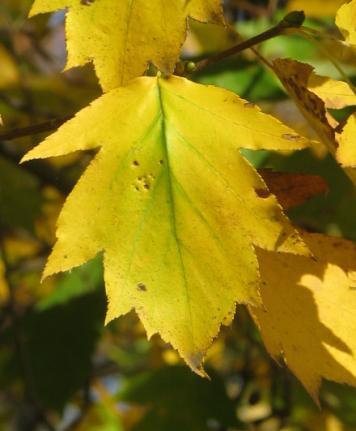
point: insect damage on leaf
(295, 78)
(123, 37)
(335, 94)
(309, 310)
(172, 204)
(308, 90)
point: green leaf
(82, 281)
(178, 400)
(20, 198)
(57, 348)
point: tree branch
(292, 20)
(47, 126)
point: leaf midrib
(172, 205)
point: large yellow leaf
(172, 203)
(309, 315)
(122, 36)
(346, 21)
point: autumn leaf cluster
(188, 228)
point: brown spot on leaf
(295, 77)
(290, 137)
(142, 287)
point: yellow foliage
(346, 21)
(8, 72)
(316, 8)
(326, 422)
(309, 315)
(173, 205)
(335, 94)
(295, 77)
(4, 288)
(123, 37)
(346, 152)
(209, 38)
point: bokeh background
(60, 368)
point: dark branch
(47, 126)
(292, 20)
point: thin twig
(292, 20)
(47, 126)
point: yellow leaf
(8, 73)
(316, 8)
(206, 39)
(346, 152)
(122, 37)
(335, 94)
(173, 205)
(325, 421)
(295, 78)
(4, 287)
(346, 21)
(309, 315)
